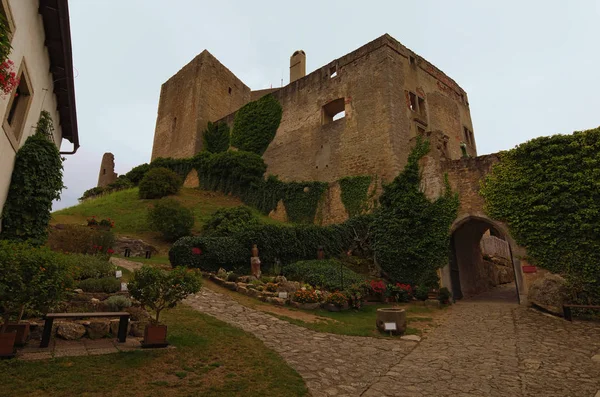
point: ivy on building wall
(36, 182)
(548, 192)
(255, 124)
(411, 233)
(216, 137)
(355, 194)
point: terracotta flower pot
(22, 330)
(7, 344)
(155, 336)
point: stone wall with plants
(548, 192)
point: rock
(70, 331)
(137, 313)
(242, 289)
(230, 285)
(136, 246)
(412, 338)
(505, 274)
(548, 292)
(278, 301)
(288, 286)
(78, 291)
(136, 328)
(254, 293)
(280, 279)
(95, 301)
(244, 279)
(305, 306)
(114, 327)
(596, 358)
(98, 329)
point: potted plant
(377, 288)
(444, 296)
(158, 290)
(336, 301)
(305, 298)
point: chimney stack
(297, 65)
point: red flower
(196, 251)
(110, 251)
(377, 286)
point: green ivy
(216, 137)
(412, 234)
(548, 192)
(355, 191)
(255, 124)
(36, 182)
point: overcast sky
(530, 68)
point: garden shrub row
(276, 243)
(80, 239)
(107, 285)
(329, 274)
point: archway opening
(481, 264)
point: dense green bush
(276, 243)
(108, 285)
(31, 278)
(137, 173)
(171, 219)
(229, 172)
(36, 182)
(117, 303)
(159, 182)
(93, 192)
(121, 183)
(80, 240)
(255, 125)
(181, 167)
(412, 234)
(216, 137)
(228, 221)
(548, 191)
(329, 274)
(88, 266)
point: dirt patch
(126, 264)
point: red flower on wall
(8, 78)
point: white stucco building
(41, 51)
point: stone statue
(320, 253)
(255, 262)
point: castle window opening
(413, 61)
(103, 171)
(468, 136)
(420, 130)
(174, 124)
(333, 111)
(421, 105)
(332, 72)
(413, 101)
(229, 90)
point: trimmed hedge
(329, 274)
(171, 219)
(228, 221)
(108, 285)
(283, 243)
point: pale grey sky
(530, 68)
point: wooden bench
(567, 310)
(49, 318)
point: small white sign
(123, 286)
(283, 295)
(119, 274)
(389, 326)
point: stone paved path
(483, 349)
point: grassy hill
(129, 212)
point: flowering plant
(377, 286)
(356, 294)
(306, 296)
(8, 77)
(271, 287)
(92, 221)
(107, 223)
(405, 287)
(337, 298)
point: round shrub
(422, 293)
(88, 266)
(171, 219)
(137, 173)
(108, 285)
(228, 221)
(159, 182)
(117, 303)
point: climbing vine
(411, 233)
(548, 191)
(36, 182)
(255, 125)
(216, 137)
(355, 191)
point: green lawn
(211, 359)
(130, 213)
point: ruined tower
(107, 170)
(297, 65)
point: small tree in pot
(158, 290)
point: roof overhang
(55, 14)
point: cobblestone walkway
(483, 349)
